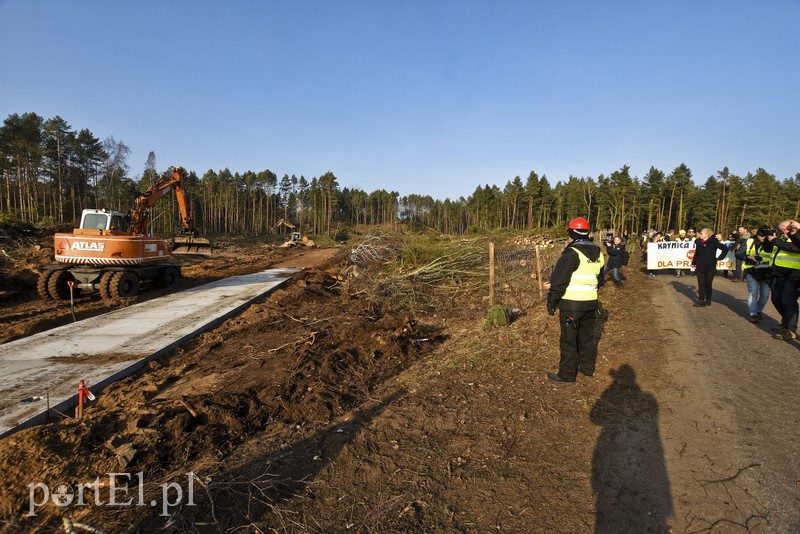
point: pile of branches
(467, 266)
(376, 250)
(460, 268)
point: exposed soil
(317, 411)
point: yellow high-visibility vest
(787, 260)
(583, 283)
(750, 250)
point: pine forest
(50, 172)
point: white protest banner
(678, 255)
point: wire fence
(516, 274)
(522, 275)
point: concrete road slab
(43, 371)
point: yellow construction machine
(295, 238)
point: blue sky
(428, 97)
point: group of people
(653, 236)
(783, 277)
(769, 261)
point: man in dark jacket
(573, 291)
(704, 263)
(616, 253)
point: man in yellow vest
(755, 255)
(786, 278)
(573, 291)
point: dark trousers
(785, 292)
(614, 272)
(578, 346)
(705, 280)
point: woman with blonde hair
(704, 264)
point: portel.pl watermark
(115, 489)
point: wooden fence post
(539, 272)
(491, 274)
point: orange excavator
(112, 252)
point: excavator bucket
(191, 245)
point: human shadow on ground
(719, 297)
(600, 324)
(629, 475)
(687, 290)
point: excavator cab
(93, 219)
(102, 222)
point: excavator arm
(173, 179)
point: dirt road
(728, 394)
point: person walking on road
(704, 263)
(755, 254)
(786, 278)
(573, 291)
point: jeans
(757, 294)
(614, 273)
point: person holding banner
(704, 264)
(755, 255)
(573, 291)
(682, 237)
(657, 238)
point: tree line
(51, 172)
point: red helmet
(578, 223)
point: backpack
(626, 256)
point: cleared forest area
(368, 395)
